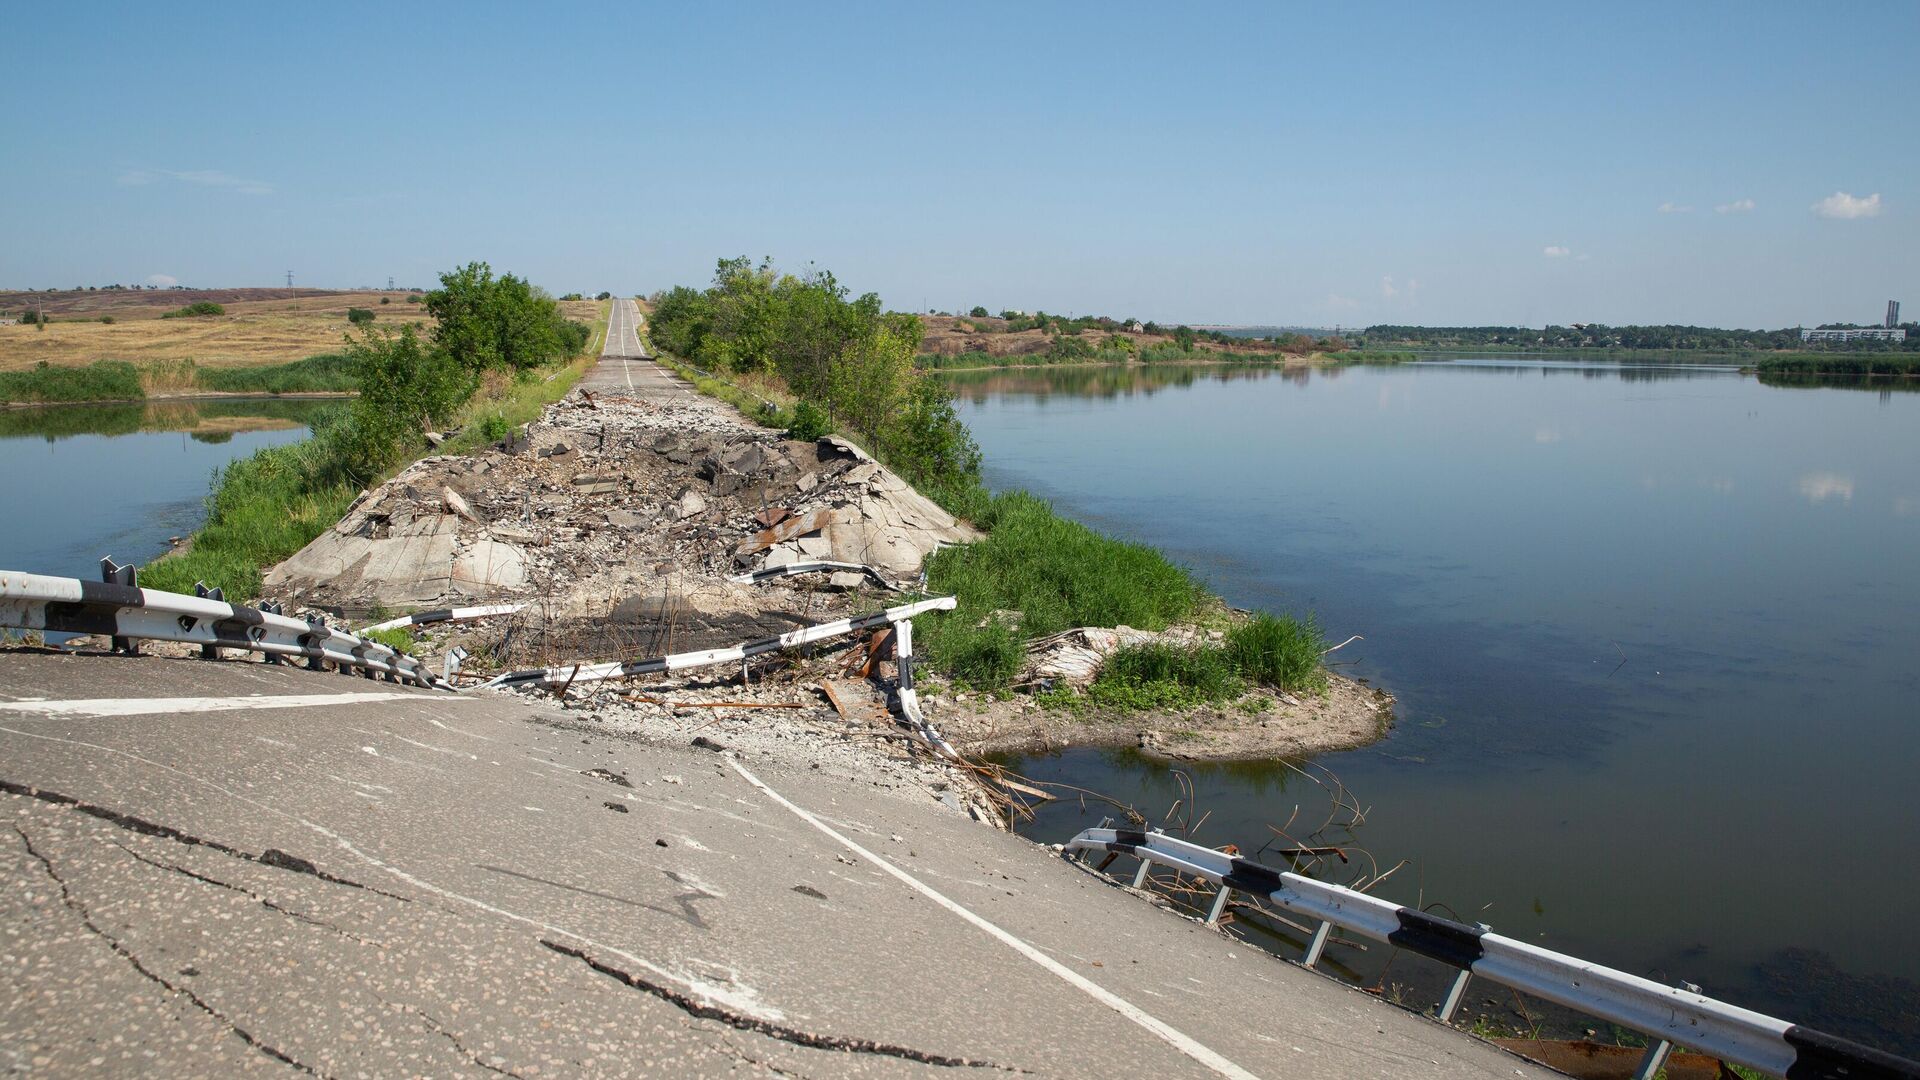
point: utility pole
(389, 282)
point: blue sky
(1304, 164)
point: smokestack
(1893, 314)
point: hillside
(949, 335)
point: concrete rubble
(603, 507)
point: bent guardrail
(569, 674)
(440, 615)
(122, 610)
(1674, 1016)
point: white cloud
(1413, 286)
(1820, 486)
(200, 177)
(1387, 288)
(1555, 251)
(1547, 435)
(1847, 207)
(162, 281)
(1674, 208)
(1737, 206)
(1335, 300)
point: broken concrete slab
(488, 567)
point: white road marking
(1180, 1041)
(143, 706)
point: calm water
(1653, 633)
(79, 482)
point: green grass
(326, 373)
(1279, 651)
(102, 380)
(399, 639)
(1056, 574)
(268, 506)
(1165, 676)
(487, 419)
(263, 509)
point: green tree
(978, 312)
(487, 322)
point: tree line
(1599, 336)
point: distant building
(1893, 314)
(1870, 334)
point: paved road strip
(144, 706)
(1174, 1037)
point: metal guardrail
(120, 609)
(1673, 1015)
(569, 674)
(440, 615)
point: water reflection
(82, 481)
(212, 420)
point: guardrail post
(1219, 904)
(1458, 991)
(451, 663)
(208, 652)
(1318, 945)
(269, 607)
(1653, 1061)
(317, 629)
(1454, 995)
(1140, 875)
(114, 574)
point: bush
(414, 298)
(359, 316)
(978, 312)
(604, 296)
(386, 300)
(199, 310)
(107, 319)
(810, 422)
(1280, 652)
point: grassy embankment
(266, 507)
(120, 381)
(1840, 363)
(1034, 573)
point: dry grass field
(261, 326)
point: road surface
(218, 867)
(625, 368)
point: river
(82, 481)
(1652, 631)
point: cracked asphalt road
(443, 885)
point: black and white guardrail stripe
(1678, 1016)
(909, 697)
(75, 606)
(579, 673)
(773, 573)
(440, 615)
